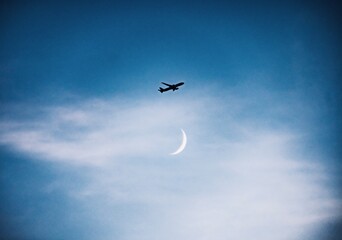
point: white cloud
(233, 181)
(98, 131)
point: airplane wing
(167, 84)
(164, 89)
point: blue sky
(85, 136)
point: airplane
(172, 87)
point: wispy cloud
(234, 181)
(95, 132)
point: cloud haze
(233, 181)
(98, 131)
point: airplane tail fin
(161, 90)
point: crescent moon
(183, 144)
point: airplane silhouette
(172, 87)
